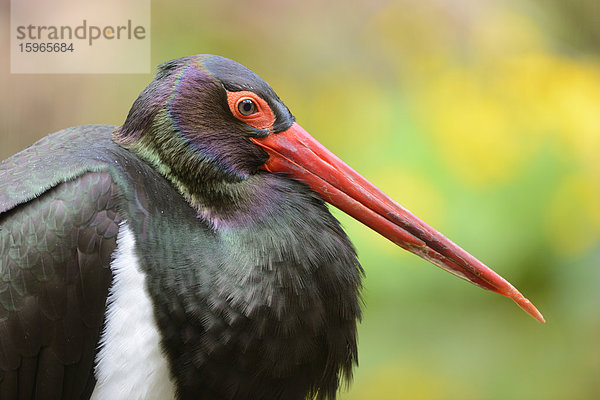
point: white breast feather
(130, 364)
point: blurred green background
(482, 117)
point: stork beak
(296, 152)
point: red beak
(296, 152)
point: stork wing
(54, 277)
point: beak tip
(528, 307)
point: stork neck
(226, 201)
(207, 186)
(218, 200)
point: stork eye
(247, 107)
(251, 109)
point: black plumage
(261, 319)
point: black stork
(188, 254)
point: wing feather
(54, 279)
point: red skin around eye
(263, 118)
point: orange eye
(251, 109)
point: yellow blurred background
(482, 117)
